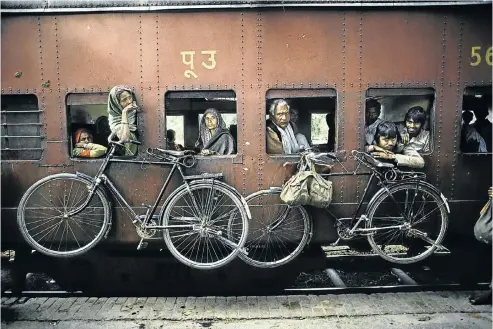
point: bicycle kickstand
(142, 244)
(335, 243)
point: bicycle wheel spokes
(216, 228)
(422, 228)
(278, 232)
(47, 227)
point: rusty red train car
(60, 60)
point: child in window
(386, 146)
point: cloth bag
(482, 229)
(307, 188)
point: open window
(312, 114)
(21, 128)
(87, 113)
(476, 121)
(188, 129)
(411, 109)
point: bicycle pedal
(142, 245)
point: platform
(426, 309)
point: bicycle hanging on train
(405, 221)
(204, 221)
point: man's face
(372, 114)
(210, 121)
(413, 127)
(387, 143)
(282, 116)
(85, 138)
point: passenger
(482, 232)
(482, 125)
(470, 140)
(170, 141)
(386, 146)
(233, 129)
(372, 119)
(331, 138)
(412, 132)
(102, 130)
(84, 147)
(214, 138)
(281, 138)
(122, 116)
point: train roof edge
(39, 6)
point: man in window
(412, 131)
(372, 120)
(281, 138)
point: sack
(482, 229)
(307, 188)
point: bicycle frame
(102, 178)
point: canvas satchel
(307, 188)
(482, 229)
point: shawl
(115, 110)
(286, 136)
(221, 142)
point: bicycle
(204, 221)
(402, 214)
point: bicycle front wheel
(207, 225)
(44, 223)
(278, 232)
(421, 215)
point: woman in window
(84, 147)
(214, 138)
(122, 116)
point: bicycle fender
(444, 199)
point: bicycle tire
(268, 248)
(416, 205)
(89, 226)
(205, 246)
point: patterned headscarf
(115, 109)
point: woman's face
(125, 99)
(85, 138)
(210, 121)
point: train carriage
(60, 60)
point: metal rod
(403, 277)
(11, 136)
(335, 278)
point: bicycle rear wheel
(207, 225)
(43, 221)
(424, 230)
(278, 232)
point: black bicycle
(204, 221)
(405, 221)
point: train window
(411, 109)
(300, 118)
(21, 128)
(476, 120)
(188, 129)
(87, 115)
